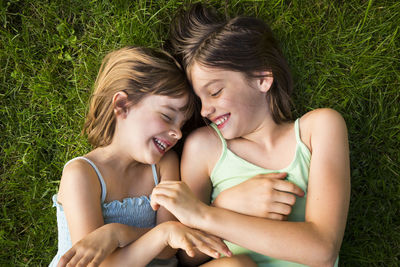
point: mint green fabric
(231, 170)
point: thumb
(153, 203)
(278, 175)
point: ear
(120, 101)
(264, 81)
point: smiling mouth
(220, 121)
(161, 145)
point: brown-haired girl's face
(151, 127)
(235, 103)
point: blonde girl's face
(151, 127)
(235, 104)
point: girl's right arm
(148, 246)
(80, 194)
(314, 242)
(270, 188)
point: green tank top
(231, 170)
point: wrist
(203, 216)
(164, 230)
(114, 233)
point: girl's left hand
(92, 249)
(178, 199)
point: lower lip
(223, 124)
(158, 148)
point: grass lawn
(343, 54)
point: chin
(229, 135)
(153, 159)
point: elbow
(327, 254)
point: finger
(204, 247)
(153, 203)
(64, 260)
(284, 197)
(158, 200)
(99, 258)
(85, 260)
(217, 244)
(287, 186)
(273, 175)
(276, 216)
(74, 260)
(166, 190)
(169, 182)
(281, 208)
(188, 247)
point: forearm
(126, 234)
(140, 252)
(304, 240)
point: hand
(264, 195)
(178, 199)
(188, 239)
(92, 249)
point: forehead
(203, 76)
(177, 103)
(199, 73)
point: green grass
(343, 54)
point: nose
(206, 109)
(175, 133)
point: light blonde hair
(138, 72)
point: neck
(267, 132)
(114, 156)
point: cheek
(155, 125)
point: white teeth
(221, 120)
(161, 144)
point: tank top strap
(99, 176)
(214, 126)
(153, 168)
(297, 130)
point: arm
(144, 249)
(94, 242)
(316, 241)
(173, 234)
(169, 171)
(199, 181)
(79, 194)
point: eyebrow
(182, 109)
(211, 82)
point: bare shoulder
(204, 139)
(78, 176)
(204, 146)
(169, 166)
(201, 152)
(322, 116)
(322, 123)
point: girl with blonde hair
(140, 101)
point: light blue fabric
(134, 211)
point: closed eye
(217, 93)
(166, 117)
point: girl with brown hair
(243, 81)
(140, 101)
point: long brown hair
(243, 44)
(138, 72)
